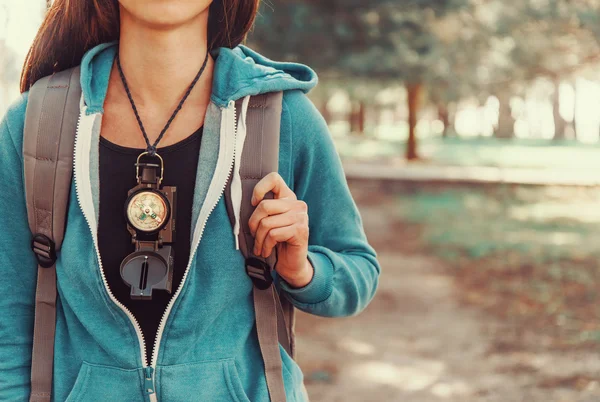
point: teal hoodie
(206, 348)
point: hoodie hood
(238, 73)
(241, 71)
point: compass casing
(164, 199)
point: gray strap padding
(260, 156)
(289, 321)
(265, 302)
(48, 139)
(264, 114)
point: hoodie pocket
(215, 380)
(97, 383)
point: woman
(145, 63)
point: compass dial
(147, 211)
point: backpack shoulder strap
(48, 138)
(260, 156)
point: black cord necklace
(151, 149)
(150, 211)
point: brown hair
(72, 27)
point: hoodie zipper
(134, 321)
(202, 222)
(149, 381)
(149, 387)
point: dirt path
(415, 343)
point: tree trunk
(444, 117)
(559, 122)
(575, 110)
(414, 93)
(357, 118)
(352, 118)
(361, 112)
(506, 123)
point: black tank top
(117, 177)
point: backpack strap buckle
(259, 272)
(44, 249)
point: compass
(150, 211)
(147, 210)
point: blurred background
(470, 134)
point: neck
(160, 64)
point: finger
(278, 235)
(271, 182)
(272, 222)
(267, 208)
(294, 235)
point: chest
(120, 126)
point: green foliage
(457, 48)
(377, 39)
(534, 223)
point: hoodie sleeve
(18, 268)
(346, 269)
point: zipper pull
(148, 381)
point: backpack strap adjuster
(44, 249)
(259, 272)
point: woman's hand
(281, 222)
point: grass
(483, 151)
(541, 224)
(528, 254)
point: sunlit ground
(487, 294)
(533, 250)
